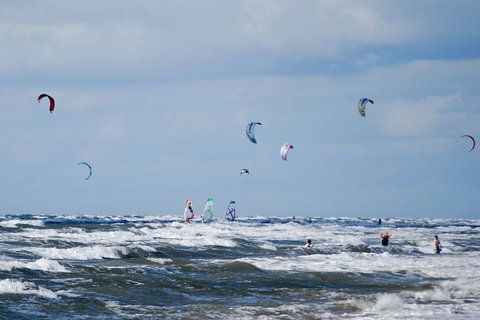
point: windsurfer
(188, 208)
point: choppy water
(92, 267)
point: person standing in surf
(438, 245)
(308, 244)
(385, 238)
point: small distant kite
(250, 131)
(284, 151)
(89, 168)
(473, 141)
(52, 101)
(362, 105)
(244, 171)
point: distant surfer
(438, 245)
(308, 244)
(385, 238)
(188, 208)
(379, 221)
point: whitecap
(388, 302)
(160, 260)
(80, 253)
(42, 264)
(15, 222)
(11, 286)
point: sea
(158, 267)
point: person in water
(385, 237)
(438, 245)
(379, 221)
(308, 244)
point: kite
(362, 104)
(89, 167)
(284, 151)
(250, 131)
(52, 101)
(473, 141)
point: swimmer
(438, 245)
(385, 237)
(308, 244)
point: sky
(156, 96)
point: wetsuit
(438, 247)
(385, 241)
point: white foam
(267, 246)
(40, 264)
(9, 286)
(79, 253)
(144, 248)
(15, 222)
(388, 302)
(160, 260)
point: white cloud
(158, 38)
(407, 118)
(325, 28)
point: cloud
(121, 39)
(407, 118)
(319, 28)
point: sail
(188, 212)
(230, 215)
(207, 214)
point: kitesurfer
(308, 244)
(438, 245)
(385, 237)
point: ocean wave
(449, 297)
(80, 253)
(160, 260)
(11, 286)
(41, 264)
(256, 267)
(240, 266)
(15, 223)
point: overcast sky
(156, 95)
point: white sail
(207, 214)
(188, 212)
